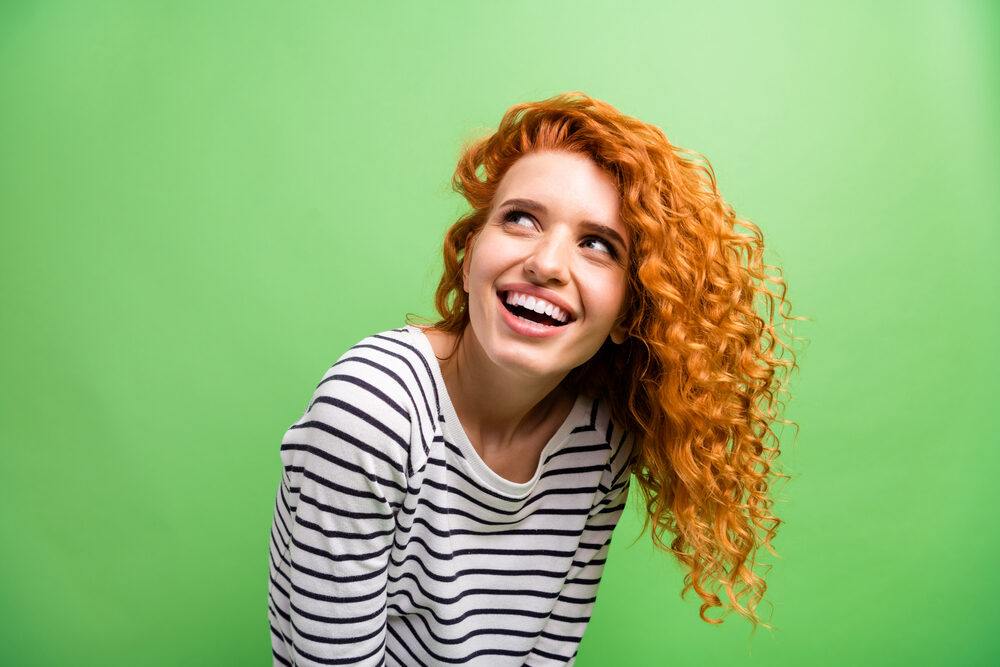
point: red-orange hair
(700, 377)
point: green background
(204, 204)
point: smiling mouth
(534, 309)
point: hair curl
(700, 377)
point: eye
(519, 219)
(599, 244)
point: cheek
(486, 265)
(621, 297)
(477, 281)
(472, 272)
(609, 296)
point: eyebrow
(538, 207)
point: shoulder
(388, 378)
(369, 407)
(389, 368)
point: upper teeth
(538, 305)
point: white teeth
(536, 304)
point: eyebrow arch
(538, 207)
(529, 204)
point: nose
(549, 259)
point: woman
(449, 494)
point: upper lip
(540, 293)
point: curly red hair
(700, 376)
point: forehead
(566, 184)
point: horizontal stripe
(335, 619)
(368, 387)
(510, 512)
(428, 630)
(346, 660)
(351, 579)
(494, 592)
(515, 572)
(455, 620)
(457, 532)
(573, 451)
(344, 490)
(552, 656)
(342, 534)
(395, 552)
(336, 599)
(341, 512)
(463, 658)
(452, 511)
(343, 436)
(350, 639)
(338, 558)
(364, 416)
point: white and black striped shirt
(394, 543)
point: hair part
(700, 378)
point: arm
(334, 522)
(558, 643)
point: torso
(456, 550)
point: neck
(495, 405)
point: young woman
(449, 494)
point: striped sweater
(394, 543)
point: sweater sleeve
(344, 479)
(559, 640)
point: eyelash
(512, 216)
(611, 249)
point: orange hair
(698, 380)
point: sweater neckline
(486, 474)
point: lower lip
(526, 327)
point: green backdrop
(202, 204)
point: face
(546, 275)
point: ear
(467, 260)
(619, 332)
(618, 335)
